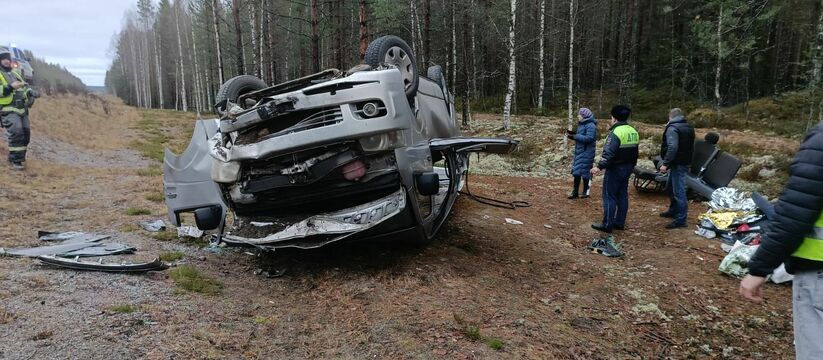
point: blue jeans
(678, 204)
(807, 291)
(616, 195)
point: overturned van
(372, 151)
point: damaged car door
(187, 180)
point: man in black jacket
(618, 159)
(795, 237)
(676, 151)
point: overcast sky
(73, 33)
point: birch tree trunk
(570, 90)
(261, 39)
(507, 105)
(198, 90)
(253, 21)
(412, 12)
(541, 56)
(453, 68)
(554, 53)
(719, 66)
(180, 57)
(473, 53)
(159, 72)
(216, 18)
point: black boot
(573, 195)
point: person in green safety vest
(15, 99)
(794, 236)
(618, 160)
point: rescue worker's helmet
(5, 54)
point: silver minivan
(374, 151)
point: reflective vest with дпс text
(812, 246)
(9, 102)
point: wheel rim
(398, 57)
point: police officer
(676, 152)
(618, 160)
(795, 237)
(15, 98)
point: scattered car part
(77, 264)
(152, 225)
(70, 236)
(99, 250)
(47, 250)
(189, 231)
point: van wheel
(235, 87)
(392, 50)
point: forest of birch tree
(501, 56)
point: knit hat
(585, 113)
(621, 112)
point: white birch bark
(719, 67)
(570, 89)
(198, 90)
(554, 54)
(253, 20)
(215, 17)
(411, 18)
(453, 71)
(507, 105)
(474, 57)
(180, 57)
(260, 41)
(159, 72)
(541, 56)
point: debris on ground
(152, 225)
(46, 250)
(189, 231)
(733, 216)
(78, 264)
(513, 221)
(70, 236)
(605, 246)
(735, 262)
(100, 250)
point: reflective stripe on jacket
(812, 246)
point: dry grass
(123, 309)
(171, 256)
(69, 117)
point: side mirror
(208, 218)
(427, 183)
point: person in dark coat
(676, 153)
(794, 236)
(618, 160)
(585, 141)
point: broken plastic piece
(513, 221)
(152, 226)
(70, 236)
(100, 250)
(77, 264)
(47, 250)
(189, 231)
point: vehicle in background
(20, 62)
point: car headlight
(381, 142)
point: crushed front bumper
(318, 230)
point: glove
(570, 136)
